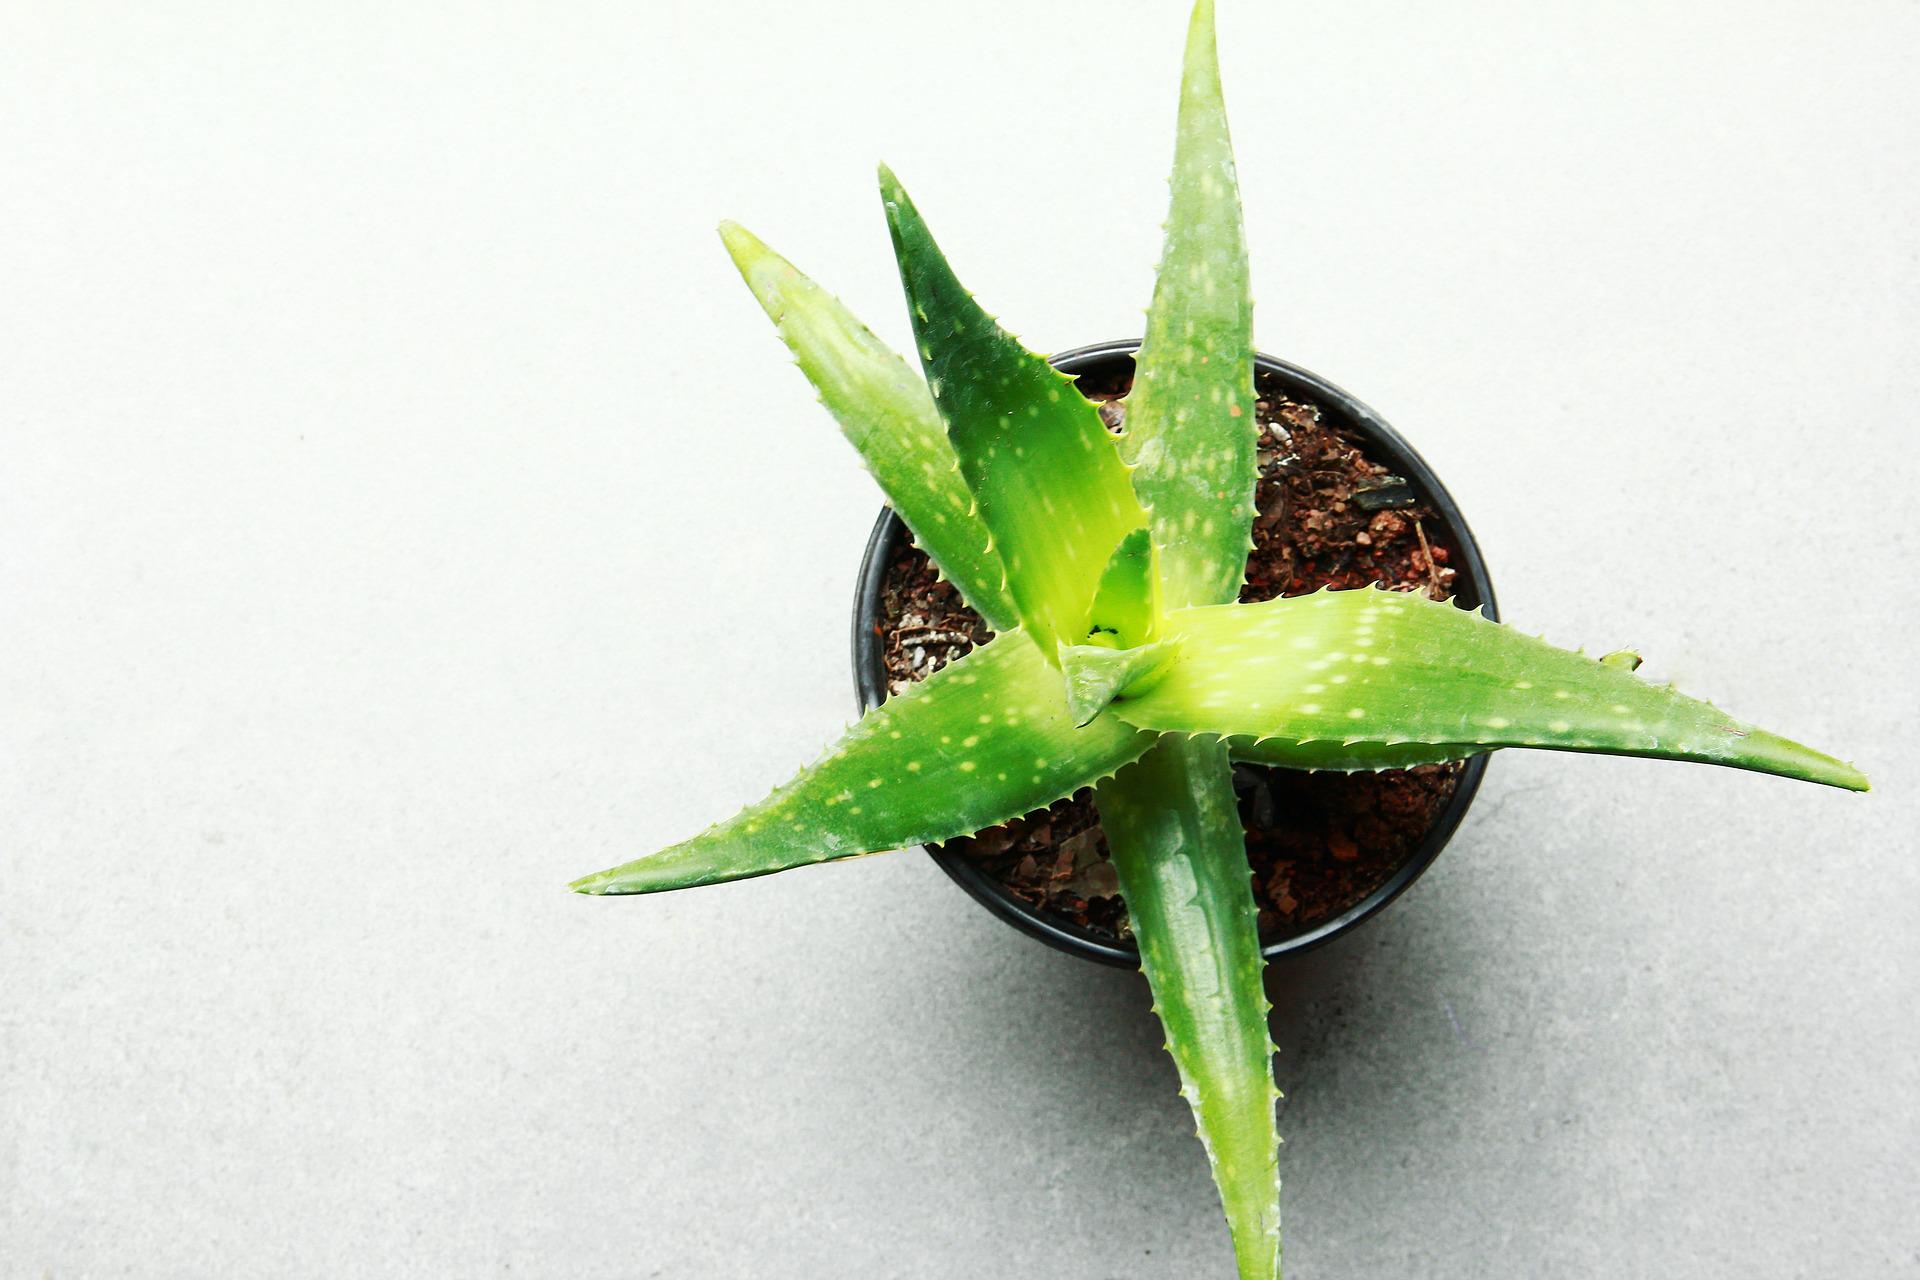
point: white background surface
(403, 510)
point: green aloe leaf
(984, 739)
(1171, 819)
(1096, 675)
(1123, 647)
(1190, 427)
(886, 412)
(1174, 831)
(1126, 604)
(1050, 484)
(1368, 669)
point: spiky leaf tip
(985, 739)
(1173, 828)
(1368, 670)
(886, 412)
(1049, 483)
(1191, 433)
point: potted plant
(1108, 567)
(1342, 501)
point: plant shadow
(1045, 1031)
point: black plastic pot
(1100, 365)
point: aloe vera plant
(1108, 568)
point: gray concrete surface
(404, 510)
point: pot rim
(1473, 587)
